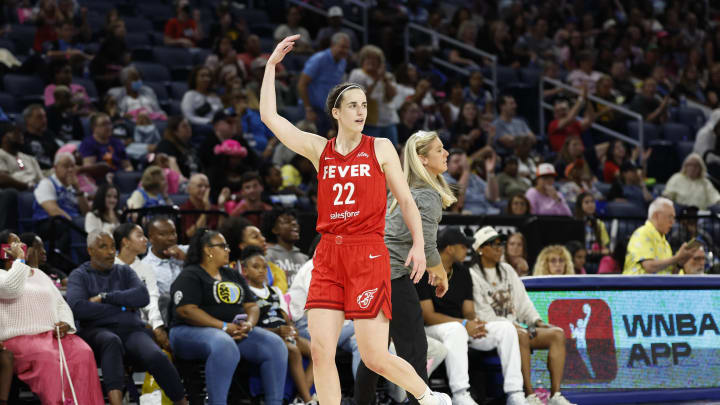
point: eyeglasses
(556, 260)
(222, 245)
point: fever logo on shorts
(366, 297)
(589, 338)
(228, 293)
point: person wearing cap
(629, 186)
(499, 295)
(648, 252)
(452, 320)
(544, 198)
(335, 19)
(690, 186)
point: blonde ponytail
(416, 174)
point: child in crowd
(275, 319)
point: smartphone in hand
(694, 243)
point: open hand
(282, 49)
(416, 256)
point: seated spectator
(199, 199)
(110, 58)
(622, 81)
(208, 297)
(527, 166)
(605, 115)
(452, 320)
(152, 191)
(467, 33)
(536, 41)
(450, 108)
(253, 51)
(225, 59)
(200, 103)
(36, 257)
(579, 255)
(283, 233)
(584, 76)
(410, 115)
(597, 240)
(100, 146)
(518, 205)
(251, 205)
(86, 174)
(648, 251)
(63, 115)
(696, 263)
(509, 182)
(184, 29)
(477, 93)
(64, 46)
(468, 123)
(32, 335)
(257, 134)
(688, 229)
(18, 170)
(508, 127)
(144, 139)
(240, 233)
(176, 144)
(293, 27)
(553, 260)
(60, 74)
(499, 295)
(335, 25)
(706, 144)
(690, 186)
(105, 214)
(544, 198)
(165, 257)
(39, 141)
(565, 123)
(613, 263)
(571, 152)
(134, 98)
(475, 194)
(271, 302)
(615, 157)
(516, 254)
(105, 298)
(630, 186)
(130, 242)
(646, 103)
(690, 84)
(578, 182)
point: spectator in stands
(411, 87)
(64, 45)
(630, 186)
(527, 166)
(475, 195)
(696, 263)
(240, 233)
(283, 232)
(518, 204)
(259, 136)
(36, 258)
(622, 81)
(410, 115)
(501, 44)
(105, 214)
(335, 19)
(293, 27)
(509, 181)
(450, 108)
(616, 155)
(165, 257)
(252, 51)
(508, 127)
(199, 199)
(231, 162)
(597, 240)
(467, 33)
(646, 104)
(322, 72)
(536, 40)
(516, 254)
(605, 115)
(104, 297)
(184, 29)
(47, 16)
(225, 58)
(251, 205)
(110, 58)
(579, 255)
(135, 98)
(152, 191)
(584, 77)
(578, 182)
(498, 295)
(688, 229)
(227, 25)
(274, 318)
(565, 123)
(39, 141)
(690, 85)
(176, 144)
(372, 74)
(207, 297)
(31, 335)
(648, 251)
(18, 170)
(200, 103)
(553, 260)
(63, 115)
(452, 320)
(101, 147)
(572, 151)
(690, 186)
(61, 75)
(467, 124)
(476, 92)
(544, 198)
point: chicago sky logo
(589, 339)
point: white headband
(352, 86)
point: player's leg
(324, 326)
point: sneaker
(533, 399)
(463, 398)
(442, 398)
(559, 399)
(516, 398)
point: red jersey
(351, 196)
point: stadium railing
(362, 5)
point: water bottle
(540, 391)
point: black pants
(112, 346)
(407, 331)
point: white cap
(483, 235)
(335, 11)
(545, 169)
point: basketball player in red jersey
(351, 278)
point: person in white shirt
(130, 241)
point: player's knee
(322, 352)
(375, 361)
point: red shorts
(351, 274)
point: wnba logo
(589, 339)
(366, 297)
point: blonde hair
(369, 51)
(416, 174)
(152, 178)
(542, 268)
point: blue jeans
(222, 355)
(389, 132)
(346, 341)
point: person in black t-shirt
(213, 314)
(451, 319)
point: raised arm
(303, 143)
